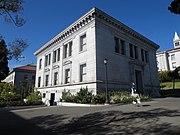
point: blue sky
(46, 18)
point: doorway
(52, 99)
(139, 82)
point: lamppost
(106, 79)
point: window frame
(82, 45)
(82, 73)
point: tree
(175, 75)
(4, 69)
(175, 7)
(9, 10)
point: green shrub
(98, 99)
(165, 76)
(34, 98)
(11, 103)
(84, 96)
(145, 98)
(7, 92)
(67, 96)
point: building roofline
(169, 50)
(88, 17)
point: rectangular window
(172, 57)
(135, 52)
(55, 78)
(47, 80)
(123, 50)
(142, 54)
(83, 42)
(177, 44)
(146, 56)
(70, 48)
(40, 63)
(131, 50)
(67, 76)
(56, 55)
(39, 81)
(116, 44)
(65, 50)
(47, 59)
(82, 72)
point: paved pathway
(158, 117)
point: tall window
(83, 42)
(70, 48)
(65, 50)
(55, 78)
(123, 49)
(47, 59)
(40, 63)
(146, 56)
(39, 81)
(82, 72)
(119, 46)
(172, 57)
(56, 55)
(131, 50)
(67, 76)
(142, 54)
(135, 52)
(116, 44)
(47, 80)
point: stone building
(75, 58)
(22, 77)
(169, 59)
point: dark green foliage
(99, 99)
(7, 92)
(67, 96)
(165, 76)
(4, 69)
(34, 98)
(175, 7)
(145, 98)
(124, 97)
(84, 96)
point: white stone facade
(169, 59)
(74, 58)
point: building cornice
(110, 20)
(81, 22)
(93, 14)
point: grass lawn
(169, 85)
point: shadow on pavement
(105, 122)
(12, 124)
(114, 122)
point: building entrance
(139, 82)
